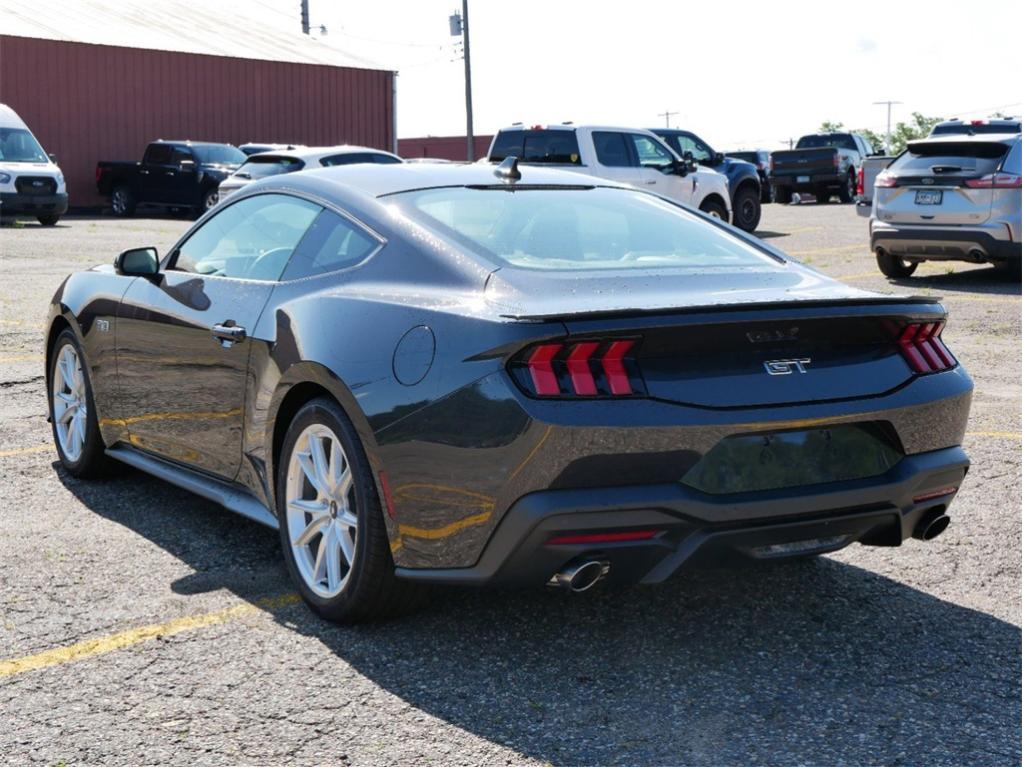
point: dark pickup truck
(172, 174)
(822, 164)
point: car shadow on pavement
(968, 278)
(812, 662)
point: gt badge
(786, 367)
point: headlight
(5, 178)
(60, 178)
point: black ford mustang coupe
(480, 375)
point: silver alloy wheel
(322, 519)
(714, 213)
(211, 200)
(70, 403)
(119, 201)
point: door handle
(168, 173)
(228, 335)
(143, 173)
(651, 182)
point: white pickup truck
(626, 155)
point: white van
(30, 182)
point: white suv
(949, 198)
(626, 155)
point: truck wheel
(747, 208)
(122, 200)
(48, 220)
(822, 196)
(714, 209)
(782, 195)
(847, 192)
(209, 200)
(893, 266)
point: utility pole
(667, 116)
(459, 25)
(305, 17)
(889, 103)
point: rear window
(976, 130)
(747, 156)
(219, 154)
(840, 140)
(269, 165)
(575, 228)
(555, 147)
(956, 157)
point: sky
(741, 74)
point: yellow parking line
(102, 645)
(25, 450)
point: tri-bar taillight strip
(589, 368)
(922, 348)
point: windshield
(576, 228)
(18, 145)
(219, 154)
(269, 165)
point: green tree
(918, 127)
(876, 139)
(829, 126)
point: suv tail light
(922, 348)
(860, 188)
(589, 368)
(886, 181)
(995, 181)
(837, 160)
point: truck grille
(35, 185)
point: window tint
(181, 155)
(158, 154)
(840, 140)
(1013, 164)
(950, 158)
(651, 153)
(700, 152)
(385, 159)
(219, 154)
(332, 243)
(612, 149)
(962, 128)
(577, 229)
(18, 145)
(348, 158)
(508, 143)
(558, 147)
(269, 165)
(251, 239)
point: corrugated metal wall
(96, 102)
(444, 147)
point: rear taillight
(837, 160)
(920, 345)
(885, 181)
(589, 368)
(995, 181)
(771, 163)
(99, 173)
(860, 188)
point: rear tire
(122, 201)
(714, 209)
(822, 197)
(894, 266)
(847, 192)
(355, 580)
(747, 209)
(782, 195)
(73, 418)
(209, 201)
(48, 220)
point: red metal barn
(88, 100)
(443, 147)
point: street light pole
(468, 82)
(889, 103)
(667, 116)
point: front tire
(332, 530)
(893, 266)
(48, 220)
(714, 209)
(73, 411)
(747, 209)
(782, 195)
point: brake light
(771, 163)
(609, 537)
(590, 368)
(860, 188)
(922, 348)
(837, 160)
(885, 181)
(977, 122)
(99, 173)
(995, 181)
(935, 494)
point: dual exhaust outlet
(581, 575)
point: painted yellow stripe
(26, 450)
(102, 645)
(434, 533)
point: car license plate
(802, 179)
(929, 197)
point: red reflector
(614, 367)
(578, 367)
(541, 368)
(617, 537)
(935, 494)
(859, 183)
(388, 500)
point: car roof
(970, 138)
(318, 152)
(373, 180)
(188, 142)
(572, 126)
(9, 118)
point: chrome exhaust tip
(933, 523)
(580, 576)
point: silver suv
(949, 198)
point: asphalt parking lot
(142, 625)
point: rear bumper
(816, 180)
(34, 204)
(943, 243)
(696, 528)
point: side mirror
(53, 158)
(680, 168)
(138, 262)
(718, 158)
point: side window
(557, 147)
(251, 239)
(1013, 163)
(700, 152)
(384, 159)
(507, 144)
(350, 158)
(652, 154)
(612, 149)
(332, 242)
(158, 154)
(181, 155)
